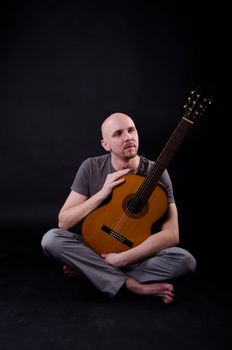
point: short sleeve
(81, 180)
(166, 181)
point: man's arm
(75, 208)
(167, 237)
(78, 206)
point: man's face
(121, 137)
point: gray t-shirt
(93, 171)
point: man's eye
(118, 133)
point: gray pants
(69, 249)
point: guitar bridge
(117, 236)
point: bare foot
(163, 290)
(69, 272)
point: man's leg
(69, 249)
(166, 265)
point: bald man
(148, 268)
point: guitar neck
(197, 104)
(151, 180)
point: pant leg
(68, 248)
(166, 265)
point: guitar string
(155, 173)
(149, 183)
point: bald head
(120, 137)
(112, 122)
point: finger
(123, 171)
(119, 180)
(120, 173)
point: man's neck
(132, 163)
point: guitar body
(118, 225)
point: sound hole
(134, 208)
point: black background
(66, 65)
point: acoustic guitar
(126, 219)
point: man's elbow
(175, 238)
(62, 223)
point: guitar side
(115, 226)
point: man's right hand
(113, 180)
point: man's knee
(49, 241)
(189, 262)
(186, 263)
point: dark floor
(41, 309)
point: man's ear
(105, 145)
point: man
(145, 269)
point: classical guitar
(126, 220)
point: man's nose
(128, 136)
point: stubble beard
(130, 155)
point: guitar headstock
(198, 102)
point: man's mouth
(131, 145)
